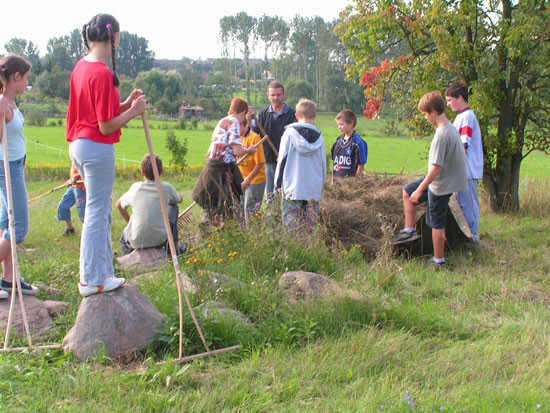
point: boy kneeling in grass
(446, 174)
(145, 227)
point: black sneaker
(25, 288)
(67, 232)
(406, 236)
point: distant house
(188, 112)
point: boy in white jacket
(301, 168)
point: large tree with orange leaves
(500, 49)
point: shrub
(35, 117)
(177, 149)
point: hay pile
(358, 210)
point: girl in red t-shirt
(94, 119)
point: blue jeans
(253, 195)
(20, 201)
(72, 196)
(269, 178)
(469, 202)
(96, 164)
(300, 214)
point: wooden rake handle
(172, 246)
(259, 125)
(65, 185)
(16, 282)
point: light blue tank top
(16, 137)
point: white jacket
(301, 165)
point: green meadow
(475, 338)
(391, 153)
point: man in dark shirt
(273, 119)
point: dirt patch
(360, 210)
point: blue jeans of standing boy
(20, 201)
(96, 164)
(72, 196)
(469, 202)
(300, 214)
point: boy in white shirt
(468, 128)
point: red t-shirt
(93, 98)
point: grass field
(475, 338)
(387, 153)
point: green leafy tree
(499, 49)
(54, 84)
(29, 50)
(272, 31)
(297, 89)
(16, 46)
(240, 28)
(58, 57)
(177, 149)
(156, 85)
(133, 55)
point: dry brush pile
(361, 210)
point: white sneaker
(3, 294)
(113, 283)
(110, 284)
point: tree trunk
(502, 183)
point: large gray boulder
(37, 313)
(120, 321)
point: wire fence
(64, 151)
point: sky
(174, 29)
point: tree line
(304, 54)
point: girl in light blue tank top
(14, 76)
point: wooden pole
(187, 359)
(17, 349)
(259, 125)
(16, 284)
(65, 185)
(172, 246)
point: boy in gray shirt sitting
(446, 174)
(145, 227)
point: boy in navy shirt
(349, 152)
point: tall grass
(535, 197)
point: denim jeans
(269, 178)
(300, 214)
(96, 164)
(20, 201)
(469, 202)
(253, 195)
(72, 196)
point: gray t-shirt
(447, 151)
(146, 226)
